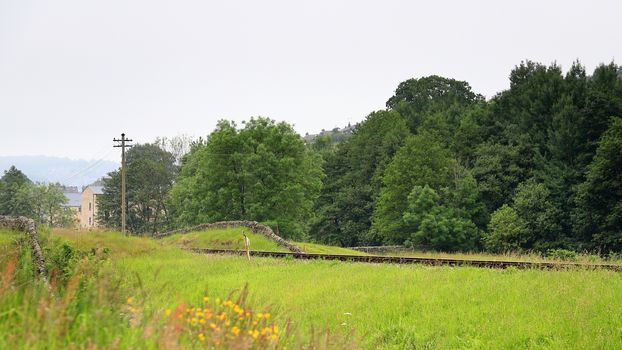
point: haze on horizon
(75, 74)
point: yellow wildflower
(168, 312)
(235, 330)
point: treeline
(536, 167)
(45, 203)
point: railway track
(375, 259)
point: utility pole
(123, 146)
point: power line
(87, 168)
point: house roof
(97, 189)
(73, 199)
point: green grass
(117, 244)
(229, 238)
(406, 306)
(384, 306)
(7, 237)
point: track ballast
(376, 259)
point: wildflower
(260, 315)
(274, 337)
(202, 321)
(201, 337)
(205, 299)
(275, 329)
(266, 315)
(130, 300)
(212, 325)
(168, 312)
(235, 330)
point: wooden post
(247, 245)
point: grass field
(387, 306)
(231, 238)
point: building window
(89, 221)
(89, 206)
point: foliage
(150, 173)
(263, 172)
(45, 203)
(562, 254)
(353, 180)
(418, 99)
(13, 187)
(507, 231)
(436, 226)
(421, 161)
(598, 217)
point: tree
(432, 224)
(417, 99)
(13, 200)
(534, 206)
(353, 180)
(150, 173)
(421, 161)
(262, 172)
(598, 217)
(48, 204)
(507, 231)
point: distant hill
(70, 172)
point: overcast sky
(75, 74)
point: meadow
(119, 292)
(386, 306)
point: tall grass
(93, 304)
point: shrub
(562, 254)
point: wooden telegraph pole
(123, 144)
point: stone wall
(254, 226)
(28, 226)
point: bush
(562, 254)
(506, 231)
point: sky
(75, 74)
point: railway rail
(375, 259)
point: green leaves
(262, 172)
(150, 174)
(437, 226)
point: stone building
(88, 204)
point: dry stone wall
(254, 226)
(28, 226)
